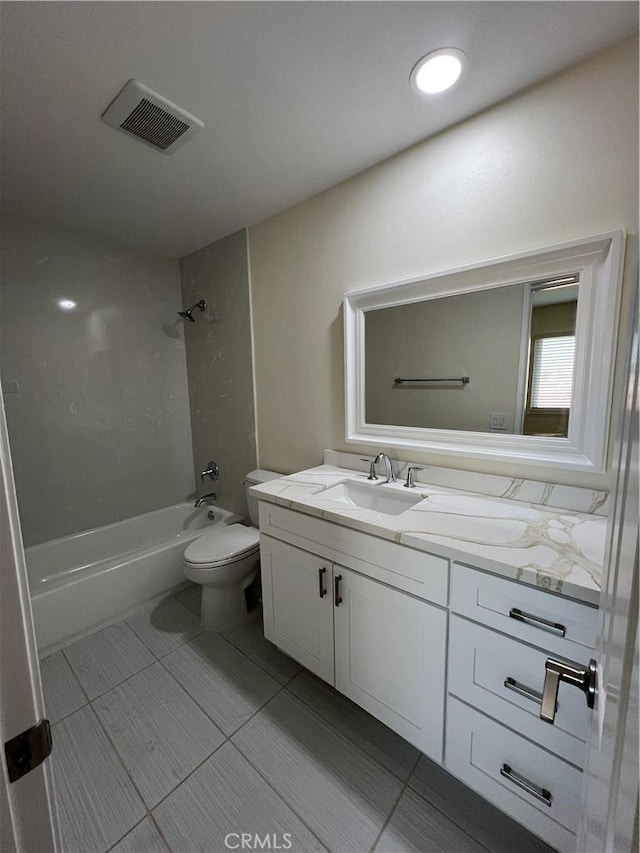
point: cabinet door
(390, 658)
(297, 618)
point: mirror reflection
(498, 360)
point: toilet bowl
(225, 562)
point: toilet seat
(222, 546)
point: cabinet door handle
(337, 598)
(538, 621)
(321, 587)
(522, 689)
(539, 793)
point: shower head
(188, 314)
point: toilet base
(223, 608)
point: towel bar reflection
(463, 379)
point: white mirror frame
(599, 261)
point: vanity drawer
(478, 749)
(490, 599)
(481, 661)
(423, 575)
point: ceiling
(295, 97)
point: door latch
(556, 671)
(26, 751)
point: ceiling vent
(143, 113)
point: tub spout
(205, 499)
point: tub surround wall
(220, 366)
(554, 163)
(99, 428)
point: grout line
(318, 714)
(277, 793)
(259, 663)
(135, 826)
(157, 826)
(395, 805)
(281, 687)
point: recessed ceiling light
(438, 70)
(66, 304)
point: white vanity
(435, 609)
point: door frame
(28, 812)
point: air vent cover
(143, 113)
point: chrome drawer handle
(522, 689)
(538, 621)
(539, 793)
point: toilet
(225, 561)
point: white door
(28, 821)
(610, 796)
(390, 657)
(297, 597)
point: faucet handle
(409, 484)
(212, 471)
(372, 468)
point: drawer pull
(539, 793)
(538, 622)
(321, 587)
(522, 689)
(337, 598)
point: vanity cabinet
(411, 638)
(382, 648)
(500, 636)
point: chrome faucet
(409, 484)
(205, 499)
(388, 467)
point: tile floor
(170, 739)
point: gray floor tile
(227, 795)
(144, 838)
(372, 736)
(165, 627)
(97, 802)
(62, 692)
(159, 732)
(191, 598)
(342, 796)
(471, 812)
(249, 638)
(225, 683)
(105, 659)
(417, 827)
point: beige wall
(555, 163)
(471, 334)
(100, 429)
(220, 366)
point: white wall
(100, 428)
(557, 162)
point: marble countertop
(555, 549)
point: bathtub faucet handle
(212, 470)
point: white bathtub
(92, 578)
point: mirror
(511, 359)
(497, 360)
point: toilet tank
(254, 478)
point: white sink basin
(352, 494)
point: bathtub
(89, 579)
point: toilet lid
(222, 545)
